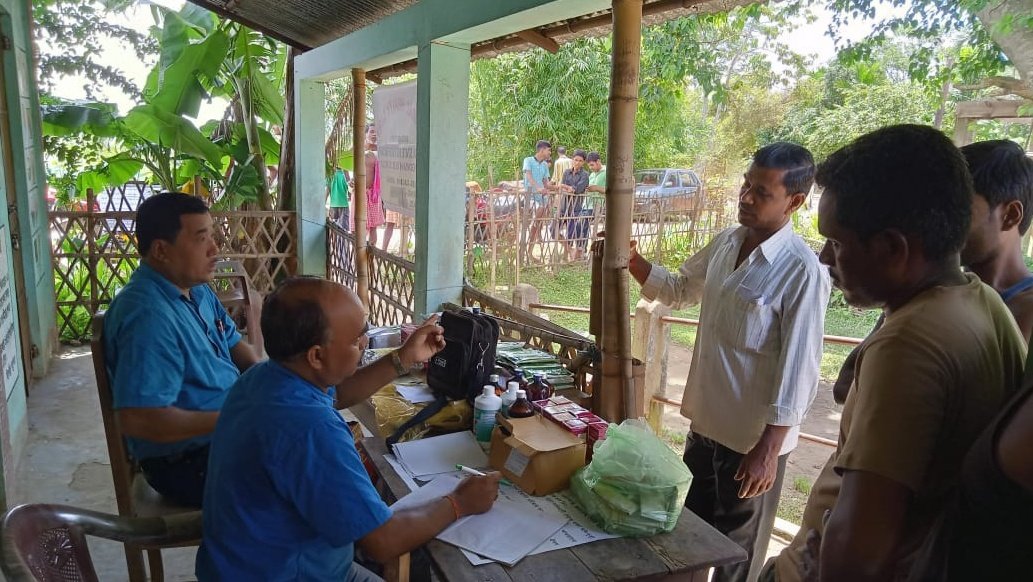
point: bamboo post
(359, 172)
(471, 225)
(493, 232)
(91, 249)
(520, 236)
(616, 399)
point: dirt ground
(804, 463)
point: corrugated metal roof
(306, 23)
(311, 23)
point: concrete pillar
(442, 98)
(524, 295)
(310, 184)
(650, 339)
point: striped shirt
(758, 349)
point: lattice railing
(391, 278)
(391, 283)
(94, 254)
(507, 241)
(340, 255)
(264, 241)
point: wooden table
(687, 553)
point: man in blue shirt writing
(287, 497)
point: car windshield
(649, 177)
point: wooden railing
(651, 343)
(572, 350)
(391, 278)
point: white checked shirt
(759, 344)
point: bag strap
(428, 411)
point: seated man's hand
(427, 340)
(477, 494)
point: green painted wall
(30, 183)
(29, 213)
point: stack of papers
(578, 530)
(425, 458)
(491, 534)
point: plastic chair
(46, 543)
(133, 495)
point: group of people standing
(567, 200)
(340, 185)
(932, 477)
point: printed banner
(394, 113)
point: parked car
(666, 191)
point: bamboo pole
(493, 232)
(359, 171)
(616, 398)
(91, 250)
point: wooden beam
(992, 109)
(577, 27)
(538, 39)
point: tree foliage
(997, 38)
(72, 34)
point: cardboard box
(536, 454)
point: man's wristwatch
(396, 361)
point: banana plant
(200, 56)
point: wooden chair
(232, 285)
(133, 495)
(47, 543)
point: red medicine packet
(575, 426)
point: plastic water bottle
(509, 397)
(485, 407)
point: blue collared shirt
(539, 174)
(164, 349)
(286, 495)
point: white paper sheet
(578, 530)
(440, 454)
(402, 473)
(491, 534)
(415, 393)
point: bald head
(302, 312)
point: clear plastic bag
(635, 485)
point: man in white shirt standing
(756, 359)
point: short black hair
(542, 144)
(905, 177)
(592, 157)
(293, 322)
(1002, 172)
(795, 159)
(581, 153)
(561, 150)
(158, 217)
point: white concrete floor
(66, 459)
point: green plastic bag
(635, 485)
